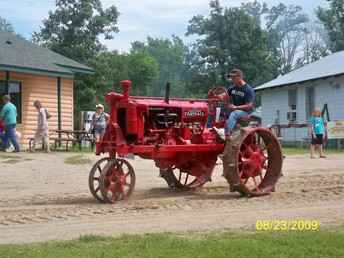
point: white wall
(330, 91)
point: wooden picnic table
(74, 137)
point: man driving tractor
(242, 98)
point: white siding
(330, 91)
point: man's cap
(99, 106)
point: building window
(292, 94)
(292, 103)
(310, 104)
(14, 89)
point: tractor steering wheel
(217, 98)
(218, 94)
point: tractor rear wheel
(177, 179)
(252, 161)
(117, 181)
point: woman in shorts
(99, 122)
(318, 133)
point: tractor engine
(155, 121)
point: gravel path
(42, 198)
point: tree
(143, 70)
(75, 27)
(170, 55)
(5, 26)
(230, 38)
(333, 20)
(255, 9)
(315, 44)
(286, 26)
(112, 67)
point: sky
(138, 18)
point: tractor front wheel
(94, 177)
(252, 161)
(117, 181)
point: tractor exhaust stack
(167, 93)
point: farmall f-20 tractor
(173, 133)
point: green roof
(20, 55)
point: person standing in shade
(99, 121)
(8, 115)
(318, 133)
(42, 131)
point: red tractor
(174, 133)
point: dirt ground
(42, 198)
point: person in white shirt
(42, 131)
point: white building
(291, 98)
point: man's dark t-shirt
(242, 95)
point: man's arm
(246, 107)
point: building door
(13, 89)
(310, 103)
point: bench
(58, 142)
(71, 142)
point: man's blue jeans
(232, 120)
(10, 136)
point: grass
(8, 156)
(73, 149)
(303, 151)
(323, 243)
(77, 160)
(10, 159)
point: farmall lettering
(194, 113)
(174, 134)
